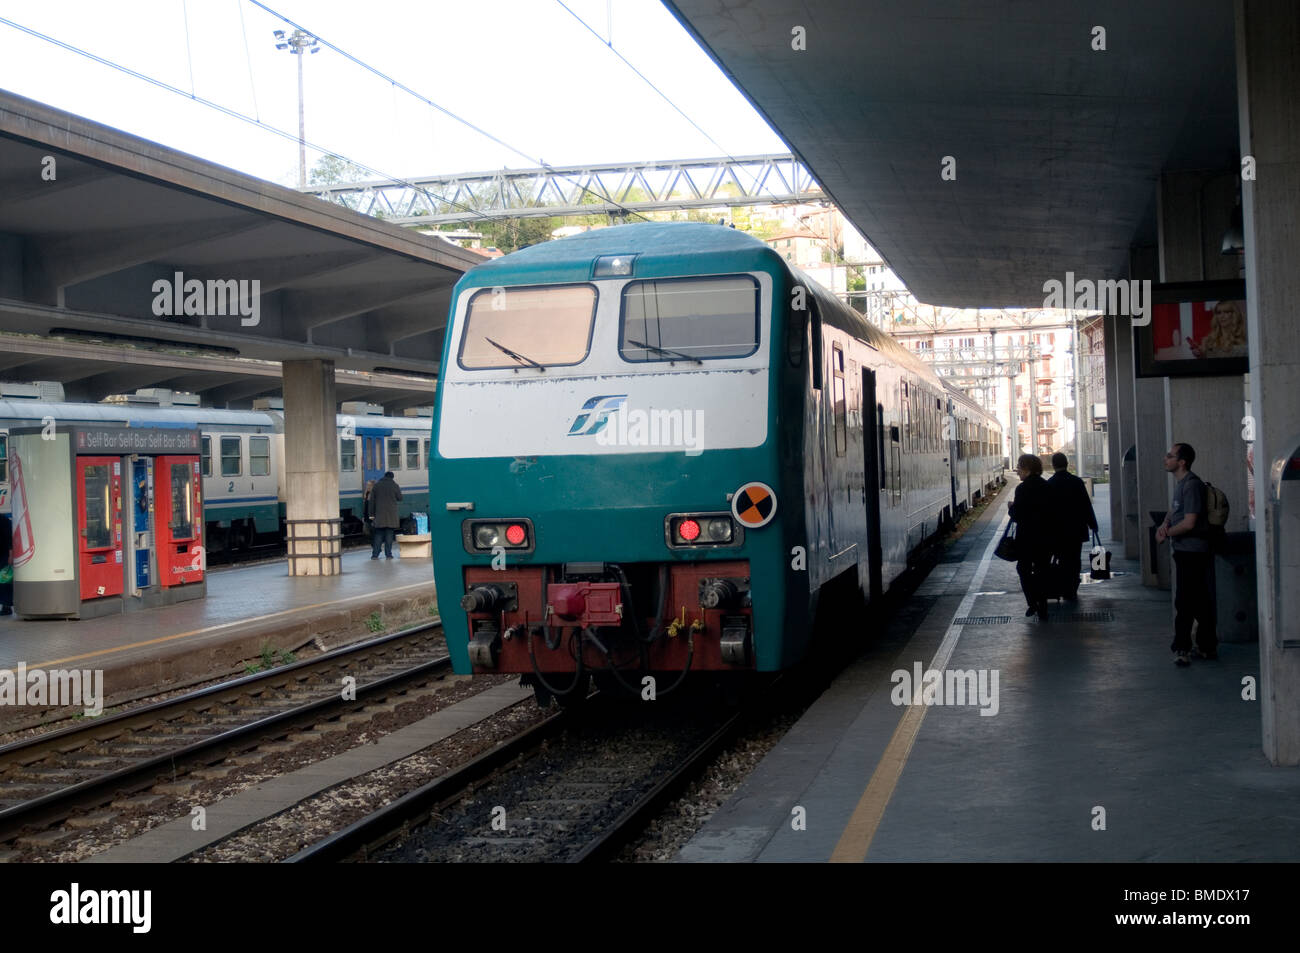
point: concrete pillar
(1130, 527)
(1114, 449)
(1150, 438)
(311, 469)
(1193, 212)
(1268, 75)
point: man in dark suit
(382, 508)
(1031, 509)
(1072, 518)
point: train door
(873, 477)
(99, 536)
(372, 454)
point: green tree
(335, 170)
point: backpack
(1216, 507)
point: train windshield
(528, 327)
(690, 319)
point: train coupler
(735, 642)
(485, 643)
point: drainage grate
(1101, 616)
(984, 620)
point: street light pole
(298, 43)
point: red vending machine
(178, 520)
(99, 527)
(112, 519)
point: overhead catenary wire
(608, 44)
(442, 109)
(248, 58)
(244, 117)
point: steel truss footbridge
(614, 188)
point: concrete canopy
(80, 252)
(1057, 146)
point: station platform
(1100, 748)
(246, 610)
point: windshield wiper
(518, 357)
(664, 350)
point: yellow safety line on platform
(859, 832)
(224, 625)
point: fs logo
(595, 414)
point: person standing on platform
(383, 508)
(6, 567)
(1031, 509)
(1072, 517)
(1187, 530)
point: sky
(526, 71)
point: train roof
(126, 414)
(662, 249)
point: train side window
(259, 456)
(412, 454)
(905, 402)
(232, 452)
(348, 454)
(815, 315)
(394, 454)
(205, 456)
(426, 453)
(838, 396)
(4, 457)
(880, 432)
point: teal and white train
(656, 447)
(243, 461)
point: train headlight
(719, 530)
(702, 531)
(486, 535)
(613, 266)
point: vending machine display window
(182, 482)
(99, 531)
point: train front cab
(575, 556)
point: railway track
(575, 788)
(48, 776)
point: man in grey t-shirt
(1187, 530)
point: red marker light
(689, 530)
(515, 534)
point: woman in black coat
(1031, 509)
